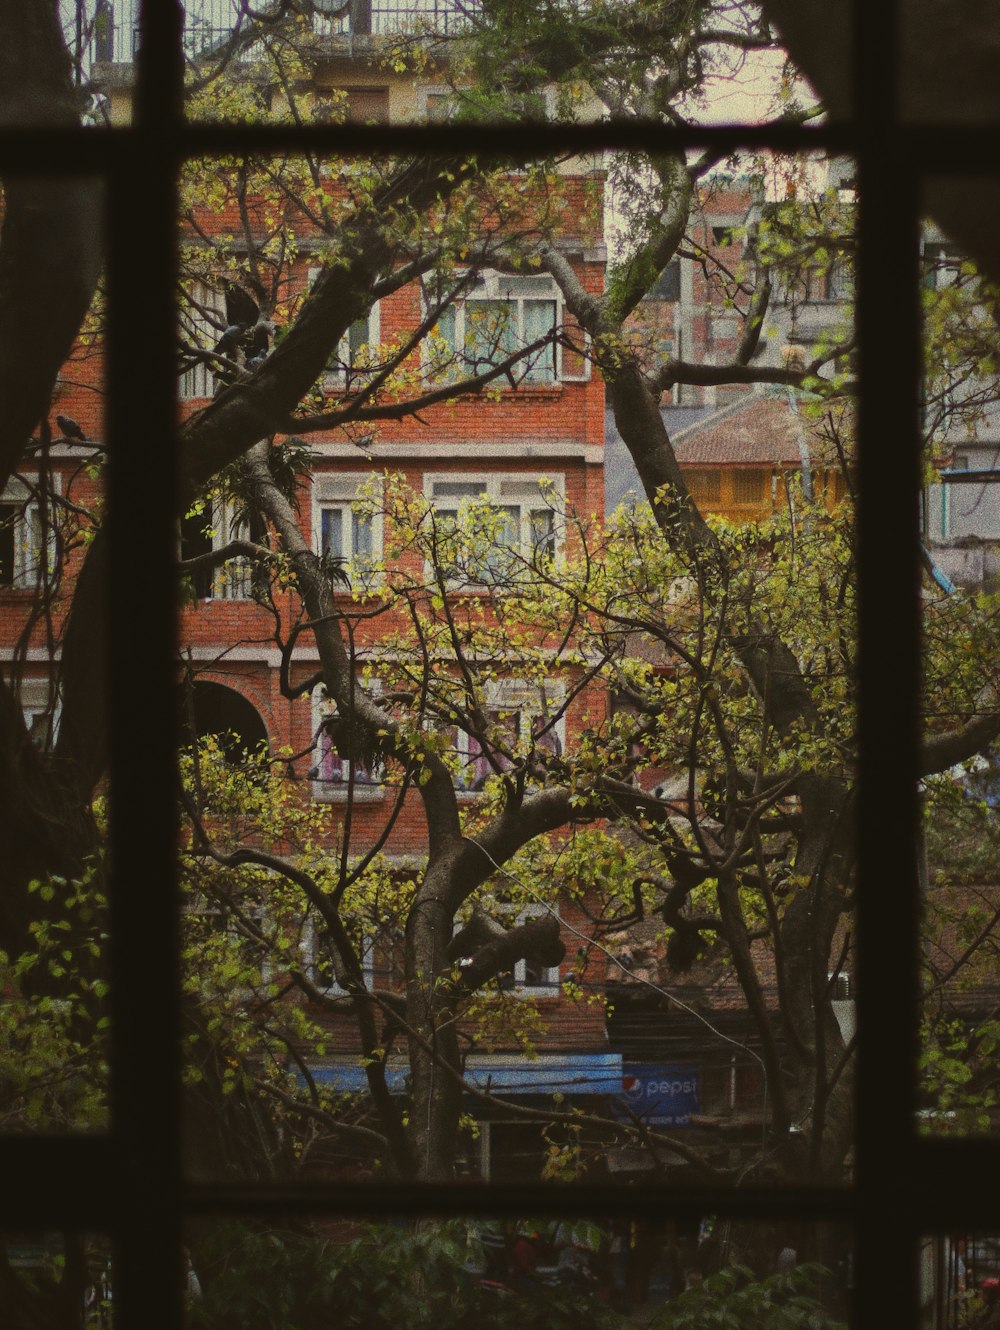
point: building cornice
(384, 451)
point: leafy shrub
(735, 1299)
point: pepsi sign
(663, 1094)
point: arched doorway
(212, 708)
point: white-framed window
(827, 283)
(942, 265)
(521, 716)
(198, 329)
(208, 529)
(317, 949)
(222, 934)
(345, 529)
(528, 978)
(41, 709)
(529, 521)
(26, 547)
(352, 362)
(333, 776)
(491, 321)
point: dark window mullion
(888, 324)
(145, 1091)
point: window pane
(490, 331)
(357, 337)
(54, 962)
(958, 1092)
(705, 487)
(198, 541)
(347, 795)
(459, 489)
(203, 326)
(361, 529)
(42, 1269)
(332, 522)
(368, 105)
(507, 542)
(10, 515)
(445, 328)
(543, 532)
(539, 319)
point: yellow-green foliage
(54, 1022)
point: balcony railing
(208, 25)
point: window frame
(340, 377)
(356, 785)
(550, 988)
(128, 1181)
(199, 907)
(492, 490)
(234, 579)
(487, 289)
(696, 479)
(740, 475)
(312, 932)
(339, 490)
(35, 550)
(40, 702)
(199, 382)
(522, 697)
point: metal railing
(116, 33)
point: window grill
(128, 1183)
(749, 486)
(704, 486)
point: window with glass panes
(521, 719)
(529, 977)
(497, 317)
(352, 363)
(333, 775)
(528, 526)
(347, 526)
(127, 1182)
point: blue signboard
(663, 1094)
(549, 1073)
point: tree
(751, 630)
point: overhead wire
(636, 978)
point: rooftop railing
(116, 33)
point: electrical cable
(637, 978)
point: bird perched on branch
(70, 429)
(230, 339)
(247, 337)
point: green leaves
(53, 1021)
(426, 1274)
(734, 1299)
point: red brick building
(530, 442)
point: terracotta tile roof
(753, 431)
